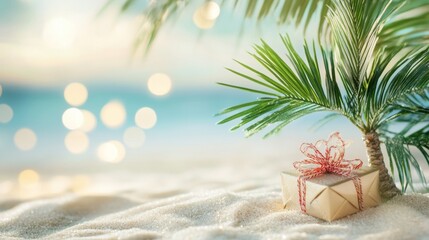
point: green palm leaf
(299, 12)
(355, 26)
(294, 88)
(409, 27)
(414, 105)
(390, 92)
(411, 140)
(156, 14)
(399, 149)
(403, 160)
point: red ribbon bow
(326, 157)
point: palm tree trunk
(388, 188)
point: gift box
(327, 185)
(331, 196)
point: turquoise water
(186, 126)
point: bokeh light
(113, 114)
(145, 118)
(159, 84)
(206, 15)
(76, 142)
(111, 151)
(75, 94)
(28, 177)
(72, 118)
(59, 33)
(134, 137)
(211, 10)
(25, 139)
(89, 121)
(202, 22)
(6, 113)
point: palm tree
(374, 71)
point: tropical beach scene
(246, 119)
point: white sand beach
(235, 202)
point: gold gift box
(332, 196)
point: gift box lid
(331, 179)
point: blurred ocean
(185, 134)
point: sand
(214, 203)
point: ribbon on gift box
(326, 157)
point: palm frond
(390, 91)
(399, 151)
(402, 148)
(293, 89)
(407, 135)
(153, 19)
(299, 12)
(157, 13)
(153, 14)
(414, 105)
(355, 26)
(409, 27)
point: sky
(49, 43)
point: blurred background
(75, 99)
